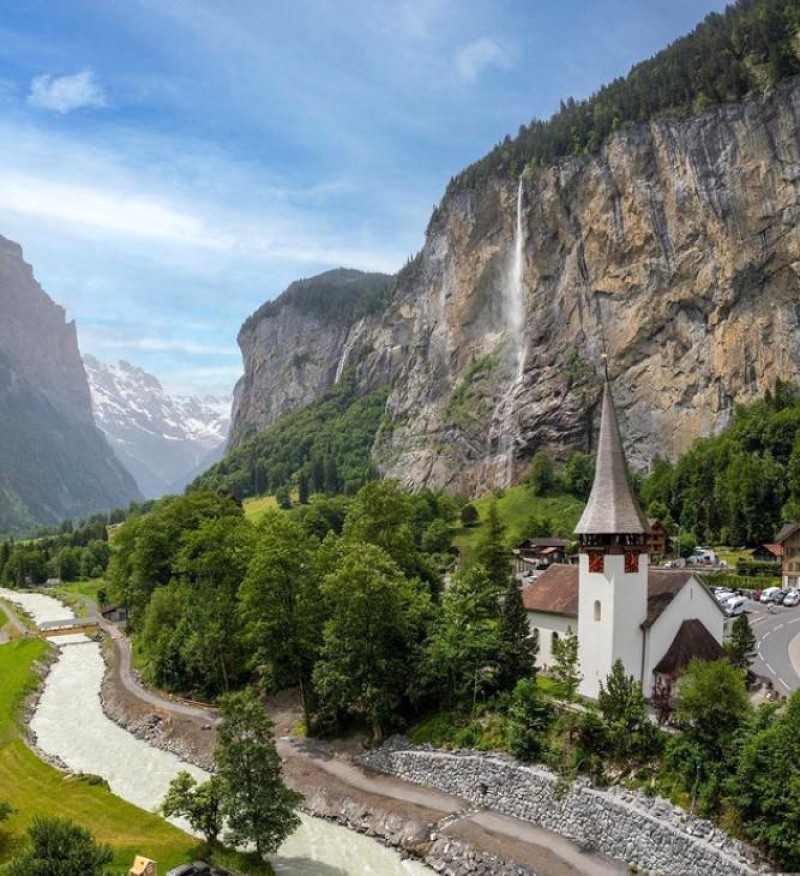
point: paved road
(776, 633)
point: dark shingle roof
(787, 530)
(691, 640)
(613, 508)
(556, 591)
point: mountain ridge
(54, 462)
(163, 440)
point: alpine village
(491, 566)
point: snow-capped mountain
(164, 441)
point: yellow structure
(142, 867)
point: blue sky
(168, 165)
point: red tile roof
(556, 591)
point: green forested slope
(52, 467)
(729, 56)
(326, 444)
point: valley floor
(311, 767)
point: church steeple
(613, 565)
(613, 513)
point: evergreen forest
(728, 57)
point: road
(776, 633)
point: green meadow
(31, 786)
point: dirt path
(312, 767)
(13, 618)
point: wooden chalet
(768, 553)
(656, 542)
(789, 540)
(539, 553)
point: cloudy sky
(168, 165)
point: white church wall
(547, 624)
(616, 633)
(692, 601)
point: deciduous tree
(370, 641)
(282, 605)
(199, 804)
(257, 805)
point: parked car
(768, 594)
(197, 868)
(778, 598)
(734, 605)
(791, 599)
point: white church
(653, 620)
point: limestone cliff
(678, 240)
(54, 463)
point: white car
(769, 594)
(791, 599)
(734, 605)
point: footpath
(466, 839)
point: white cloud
(113, 212)
(472, 59)
(161, 345)
(62, 94)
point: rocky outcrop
(54, 463)
(677, 243)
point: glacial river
(69, 723)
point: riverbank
(443, 830)
(32, 786)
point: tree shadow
(304, 867)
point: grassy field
(3, 618)
(73, 594)
(516, 506)
(32, 786)
(255, 507)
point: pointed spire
(613, 508)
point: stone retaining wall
(645, 832)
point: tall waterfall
(516, 293)
(502, 433)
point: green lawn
(32, 786)
(516, 506)
(75, 594)
(3, 618)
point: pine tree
(565, 666)
(491, 551)
(518, 647)
(741, 647)
(302, 487)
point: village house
(656, 543)
(537, 553)
(653, 620)
(789, 540)
(767, 553)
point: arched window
(597, 609)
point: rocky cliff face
(678, 242)
(54, 463)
